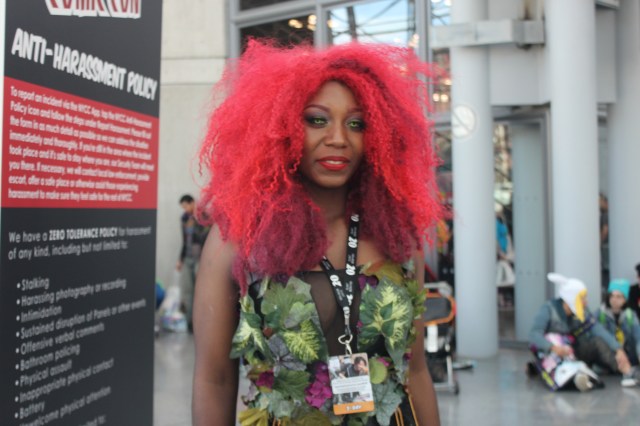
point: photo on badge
(351, 384)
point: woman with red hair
(320, 193)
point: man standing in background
(193, 237)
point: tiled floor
(495, 392)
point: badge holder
(350, 384)
(349, 373)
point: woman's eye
(315, 120)
(357, 125)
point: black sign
(78, 212)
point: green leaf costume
(281, 341)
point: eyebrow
(324, 108)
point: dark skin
(332, 132)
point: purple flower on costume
(320, 390)
(363, 280)
(266, 379)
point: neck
(332, 201)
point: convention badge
(350, 383)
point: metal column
(570, 29)
(624, 147)
(474, 220)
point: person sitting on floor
(585, 339)
(620, 320)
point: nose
(337, 136)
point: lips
(334, 163)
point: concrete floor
(495, 392)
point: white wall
(193, 54)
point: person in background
(634, 293)
(193, 237)
(604, 239)
(569, 315)
(620, 320)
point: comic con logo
(104, 8)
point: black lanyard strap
(343, 291)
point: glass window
(296, 30)
(441, 96)
(388, 21)
(503, 182)
(440, 12)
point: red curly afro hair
(255, 139)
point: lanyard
(344, 291)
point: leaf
(418, 297)
(299, 312)
(253, 416)
(280, 406)
(386, 400)
(377, 371)
(246, 304)
(258, 368)
(397, 356)
(368, 335)
(282, 356)
(279, 300)
(300, 287)
(357, 420)
(291, 383)
(409, 267)
(249, 337)
(306, 343)
(388, 310)
(388, 328)
(386, 270)
(401, 315)
(313, 418)
(264, 285)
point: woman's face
(616, 300)
(333, 141)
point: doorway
(522, 225)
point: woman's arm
(215, 383)
(420, 385)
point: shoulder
(547, 308)
(217, 245)
(217, 258)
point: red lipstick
(334, 163)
